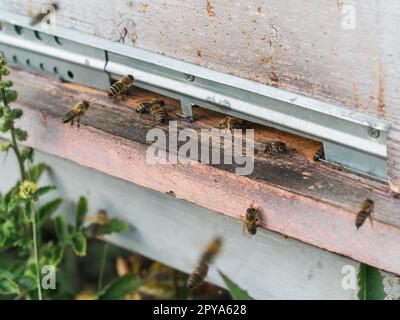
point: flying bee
(144, 107)
(367, 208)
(46, 10)
(231, 123)
(275, 147)
(251, 220)
(319, 155)
(197, 277)
(158, 112)
(120, 87)
(77, 111)
(211, 251)
(97, 221)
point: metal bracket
(350, 138)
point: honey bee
(231, 123)
(197, 277)
(144, 107)
(211, 251)
(200, 273)
(275, 147)
(37, 18)
(97, 221)
(251, 220)
(77, 111)
(367, 208)
(158, 112)
(120, 87)
(319, 155)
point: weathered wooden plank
(111, 140)
(174, 232)
(303, 46)
(294, 171)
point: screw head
(188, 77)
(373, 133)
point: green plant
(234, 290)
(23, 222)
(370, 283)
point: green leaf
(81, 211)
(11, 95)
(234, 290)
(370, 283)
(7, 284)
(120, 287)
(20, 134)
(28, 210)
(48, 209)
(13, 203)
(62, 230)
(43, 190)
(58, 255)
(79, 243)
(114, 225)
(36, 172)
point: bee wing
(245, 232)
(168, 108)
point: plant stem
(18, 155)
(35, 249)
(102, 267)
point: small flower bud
(21, 135)
(5, 124)
(5, 146)
(27, 189)
(16, 113)
(11, 95)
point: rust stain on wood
(381, 91)
(144, 7)
(266, 60)
(357, 99)
(133, 37)
(339, 4)
(30, 9)
(210, 9)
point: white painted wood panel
(174, 232)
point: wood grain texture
(301, 46)
(308, 201)
(174, 232)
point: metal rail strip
(352, 139)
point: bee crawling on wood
(156, 107)
(251, 220)
(319, 155)
(231, 123)
(159, 113)
(366, 211)
(275, 147)
(200, 273)
(144, 107)
(121, 87)
(77, 111)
